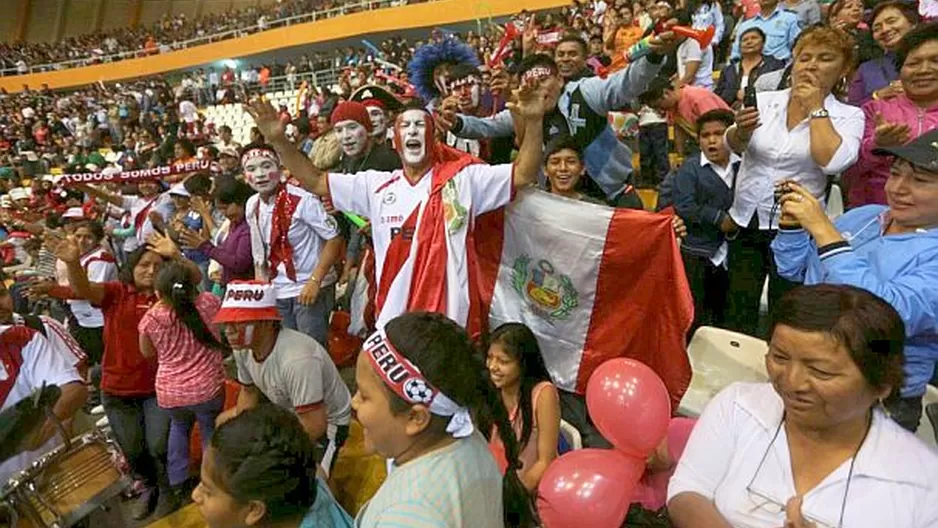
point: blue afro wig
(429, 56)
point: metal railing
(351, 7)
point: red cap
(351, 111)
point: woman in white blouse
(811, 449)
(804, 133)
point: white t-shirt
(395, 207)
(39, 362)
(457, 486)
(188, 111)
(100, 266)
(298, 375)
(310, 229)
(162, 204)
(689, 51)
(894, 481)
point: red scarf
(281, 250)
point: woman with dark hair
(421, 392)
(812, 448)
(233, 251)
(877, 78)
(743, 72)
(260, 470)
(128, 378)
(899, 119)
(190, 378)
(517, 370)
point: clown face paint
(379, 122)
(261, 171)
(353, 137)
(467, 93)
(413, 137)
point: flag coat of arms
(592, 282)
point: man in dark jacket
(703, 192)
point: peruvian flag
(592, 282)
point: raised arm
(530, 105)
(274, 131)
(66, 250)
(624, 86)
(108, 197)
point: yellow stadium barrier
(430, 14)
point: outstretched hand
(163, 246)
(529, 100)
(65, 248)
(267, 119)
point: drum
(67, 484)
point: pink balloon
(630, 405)
(587, 488)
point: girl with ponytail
(260, 471)
(189, 377)
(423, 397)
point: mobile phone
(749, 97)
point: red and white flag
(592, 282)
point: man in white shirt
(695, 65)
(422, 216)
(294, 241)
(27, 362)
(288, 368)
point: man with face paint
(578, 108)
(470, 98)
(381, 105)
(288, 368)
(361, 150)
(423, 216)
(294, 243)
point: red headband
(259, 153)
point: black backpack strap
(34, 322)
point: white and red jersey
(395, 208)
(27, 361)
(310, 228)
(100, 266)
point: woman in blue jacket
(890, 251)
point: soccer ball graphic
(418, 391)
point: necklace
(853, 460)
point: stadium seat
(719, 357)
(571, 435)
(835, 202)
(926, 430)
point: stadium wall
(428, 14)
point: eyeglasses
(765, 503)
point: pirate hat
(372, 95)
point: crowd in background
(171, 31)
(742, 138)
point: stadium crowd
(358, 221)
(170, 33)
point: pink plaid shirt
(188, 372)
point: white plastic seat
(719, 357)
(571, 435)
(925, 430)
(835, 202)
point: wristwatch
(820, 113)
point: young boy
(703, 192)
